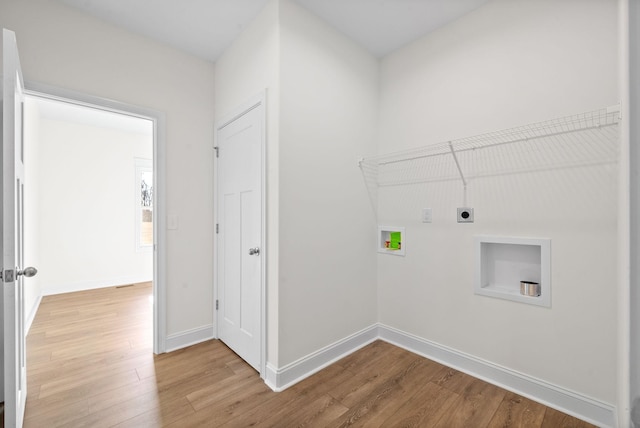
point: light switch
(172, 222)
(427, 215)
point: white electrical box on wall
(427, 215)
(391, 240)
(511, 268)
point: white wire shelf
(577, 140)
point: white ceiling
(205, 28)
(382, 26)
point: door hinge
(8, 275)
(217, 149)
(216, 304)
(217, 228)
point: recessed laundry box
(391, 240)
(512, 268)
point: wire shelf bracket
(410, 166)
(464, 182)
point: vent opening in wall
(391, 240)
(515, 269)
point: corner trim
(279, 379)
(189, 337)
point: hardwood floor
(90, 364)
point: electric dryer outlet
(465, 215)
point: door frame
(258, 101)
(159, 179)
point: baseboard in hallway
(90, 363)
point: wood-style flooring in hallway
(90, 364)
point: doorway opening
(96, 198)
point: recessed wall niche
(503, 263)
(391, 240)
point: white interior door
(239, 225)
(15, 373)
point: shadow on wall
(574, 154)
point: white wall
(33, 288)
(321, 111)
(248, 67)
(63, 47)
(507, 64)
(327, 282)
(87, 221)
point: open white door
(15, 372)
(239, 248)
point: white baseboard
(279, 379)
(188, 338)
(51, 289)
(564, 400)
(32, 314)
(569, 402)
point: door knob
(254, 251)
(27, 272)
